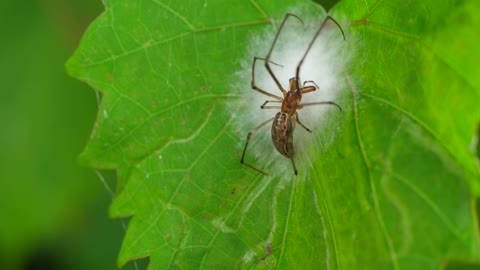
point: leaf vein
(421, 124)
(368, 165)
(436, 209)
(176, 14)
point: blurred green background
(54, 213)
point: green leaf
(385, 184)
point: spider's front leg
(267, 58)
(254, 87)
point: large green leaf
(385, 184)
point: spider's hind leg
(301, 124)
(250, 133)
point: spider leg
(271, 107)
(307, 89)
(301, 124)
(294, 167)
(267, 59)
(254, 87)
(312, 82)
(246, 145)
(297, 74)
(300, 106)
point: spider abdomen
(282, 133)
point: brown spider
(285, 120)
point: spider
(285, 120)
